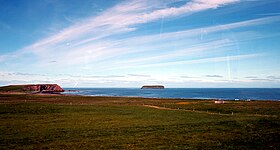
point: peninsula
(32, 88)
(152, 87)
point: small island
(152, 87)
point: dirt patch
(157, 107)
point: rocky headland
(32, 88)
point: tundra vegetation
(31, 121)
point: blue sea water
(196, 93)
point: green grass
(236, 107)
(73, 122)
(12, 88)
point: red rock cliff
(43, 88)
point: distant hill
(32, 88)
(152, 87)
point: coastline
(174, 98)
(226, 94)
(128, 97)
(185, 93)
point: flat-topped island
(152, 87)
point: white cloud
(190, 7)
(80, 43)
(190, 51)
(89, 42)
(212, 29)
(96, 51)
(139, 75)
(120, 19)
(213, 76)
(198, 61)
(130, 80)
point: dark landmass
(152, 87)
(71, 91)
(32, 88)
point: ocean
(193, 93)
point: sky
(130, 43)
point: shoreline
(216, 99)
(205, 94)
(135, 97)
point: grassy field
(76, 122)
(13, 88)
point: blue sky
(114, 43)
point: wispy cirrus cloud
(120, 19)
(218, 28)
(213, 76)
(68, 80)
(139, 75)
(263, 79)
(188, 62)
(187, 77)
(273, 77)
(190, 7)
(94, 42)
(251, 77)
(107, 49)
(80, 43)
(129, 80)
